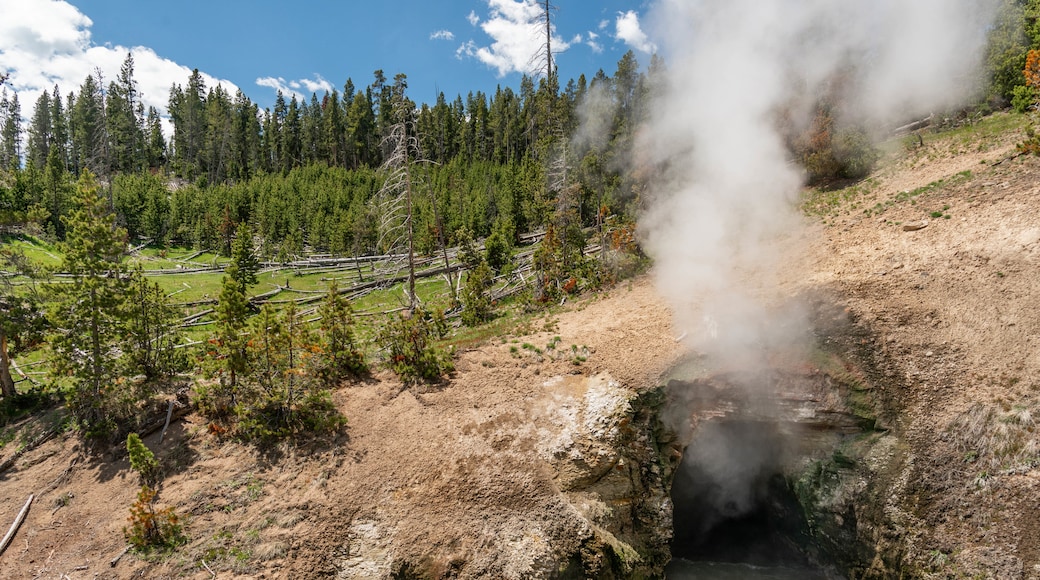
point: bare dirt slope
(461, 470)
(955, 306)
(466, 471)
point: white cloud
(515, 28)
(318, 85)
(593, 43)
(603, 24)
(442, 35)
(302, 89)
(468, 48)
(473, 18)
(627, 29)
(44, 43)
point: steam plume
(727, 188)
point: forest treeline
(304, 173)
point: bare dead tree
(396, 224)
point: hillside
(953, 306)
(513, 466)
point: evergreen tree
(245, 141)
(88, 128)
(230, 342)
(58, 192)
(283, 396)
(188, 113)
(124, 123)
(216, 154)
(244, 262)
(155, 144)
(152, 334)
(22, 321)
(341, 354)
(40, 132)
(476, 299)
(60, 130)
(10, 131)
(89, 310)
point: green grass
(830, 202)
(202, 289)
(980, 135)
(37, 250)
(912, 195)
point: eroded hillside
(514, 466)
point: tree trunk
(412, 300)
(6, 381)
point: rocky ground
(514, 466)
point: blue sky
(259, 46)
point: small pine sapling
(142, 460)
(152, 529)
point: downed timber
(17, 523)
(112, 563)
(179, 413)
(913, 126)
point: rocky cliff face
(793, 464)
(599, 445)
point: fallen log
(112, 563)
(169, 415)
(913, 126)
(180, 412)
(17, 523)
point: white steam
(724, 198)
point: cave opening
(733, 508)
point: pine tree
(341, 354)
(283, 396)
(155, 145)
(89, 310)
(22, 321)
(476, 299)
(244, 263)
(188, 111)
(60, 130)
(89, 139)
(152, 334)
(123, 121)
(232, 315)
(40, 132)
(10, 131)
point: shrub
(410, 353)
(1023, 98)
(496, 252)
(279, 392)
(476, 296)
(150, 529)
(830, 152)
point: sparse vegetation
(997, 439)
(153, 530)
(408, 340)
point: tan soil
(453, 471)
(461, 471)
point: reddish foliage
(1032, 70)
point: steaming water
(679, 569)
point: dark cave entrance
(731, 501)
